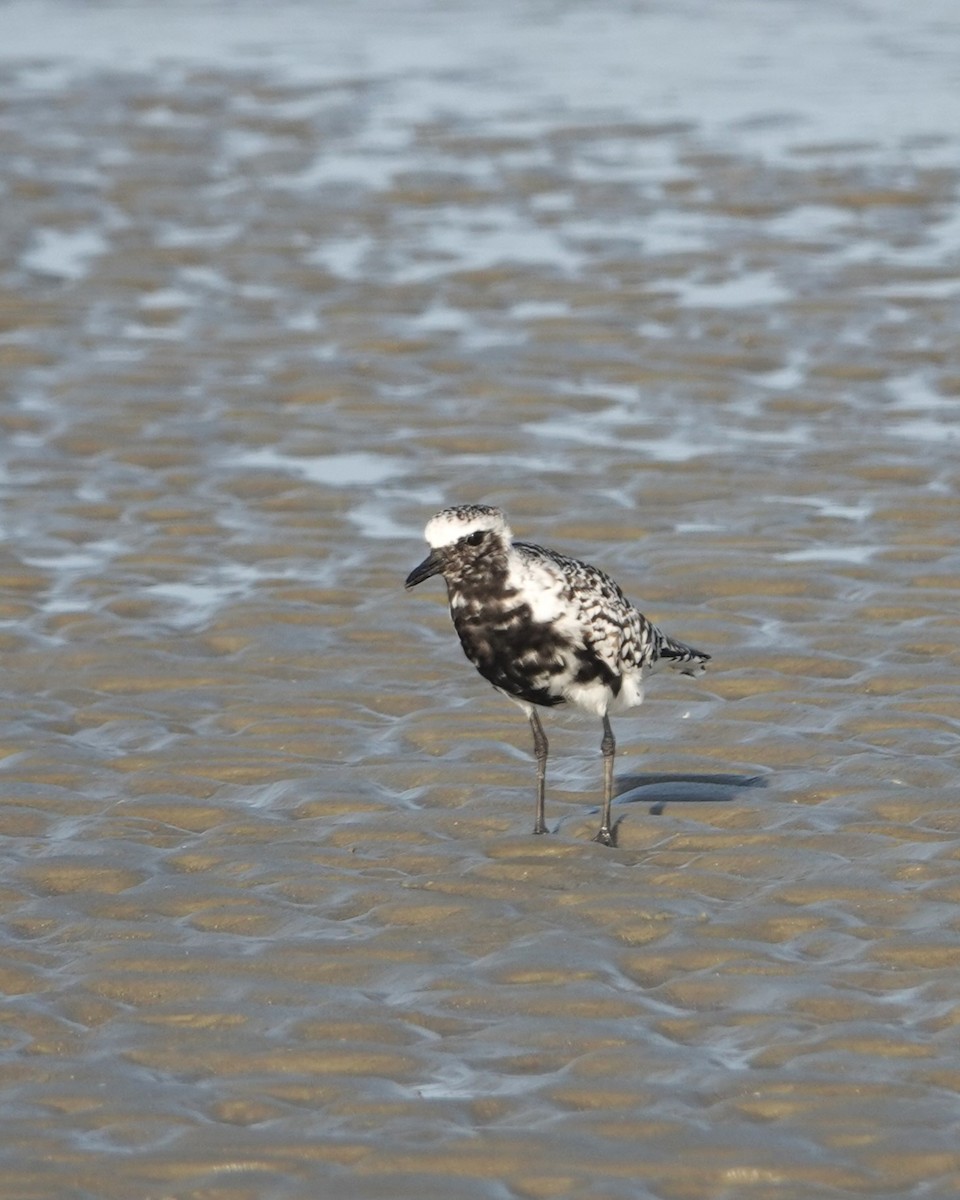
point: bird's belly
(523, 658)
(630, 694)
(542, 662)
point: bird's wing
(605, 619)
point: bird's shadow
(659, 790)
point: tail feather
(683, 658)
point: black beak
(429, 566)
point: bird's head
(462, 539)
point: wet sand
(273, 921)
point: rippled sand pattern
(273, 922)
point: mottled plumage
(546, 629)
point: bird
(546, 630)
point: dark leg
(540, 747)
(608, 747)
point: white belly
(598, 700)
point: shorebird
(546, 630)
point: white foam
(63, 254)
(335, 470)
(849, 554)
(749, 290)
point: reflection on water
(336, 470)
(63, 254)
(677, 287)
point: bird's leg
(608, 747)
(540, 747)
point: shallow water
(676, 286)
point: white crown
(453, 524)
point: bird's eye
(475, 538)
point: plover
(546, 629)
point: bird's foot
(537, 829)
(606, 837)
